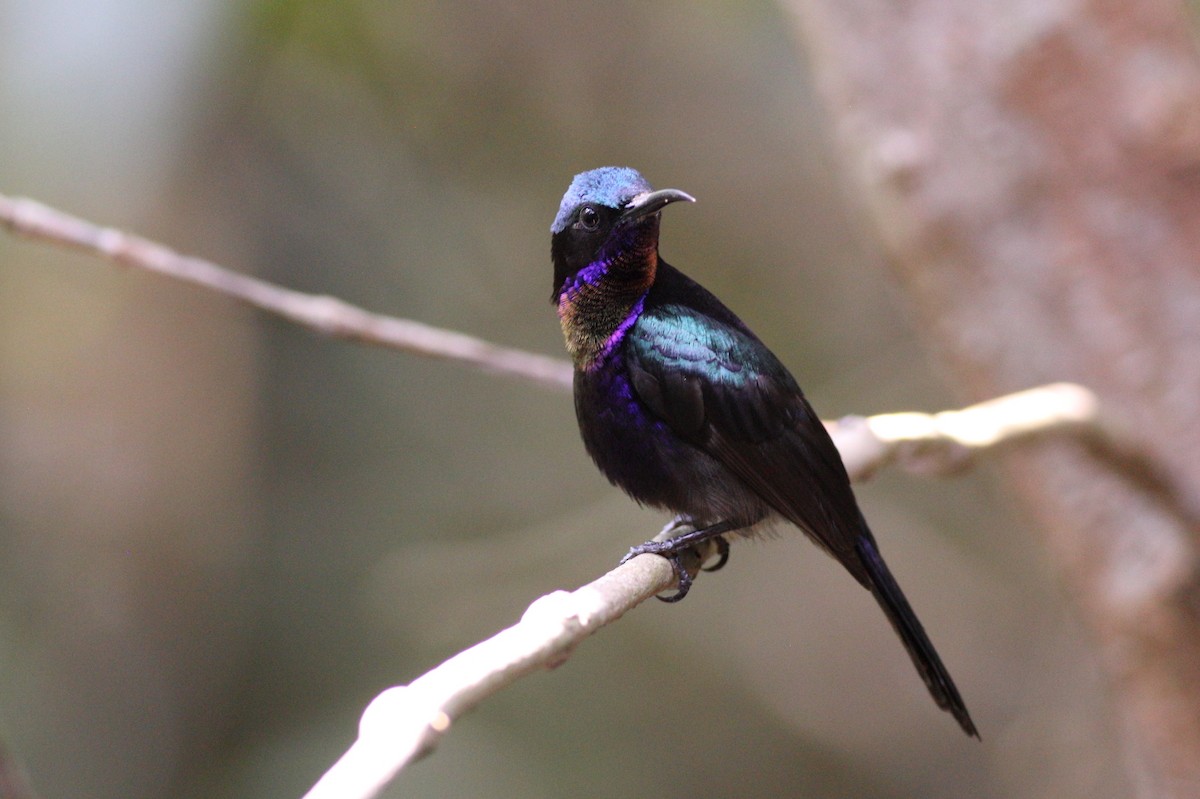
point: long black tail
(909, 628)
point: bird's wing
(719, 388)
(722, 390)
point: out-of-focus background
(221, 535)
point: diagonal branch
(328, 315)
(404, 723)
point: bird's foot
(674, 548)
(674, 556)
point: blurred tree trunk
(1034, 169)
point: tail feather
(887, 592)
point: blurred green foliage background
(221, 535)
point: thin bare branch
(328, 315)
(405, 723)
(942, 443)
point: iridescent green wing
(722, 390)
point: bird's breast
(642, 455)
(594, 322)
(627, 442)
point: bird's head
(608, 220)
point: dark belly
(639, 453)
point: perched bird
(682, 406)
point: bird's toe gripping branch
(675, 547)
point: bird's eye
(589, 217)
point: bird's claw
(683, 576)
(673, 553)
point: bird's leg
(673, 547)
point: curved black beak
(650, 202)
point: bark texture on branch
(1035, 172)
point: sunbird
(685, 409)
